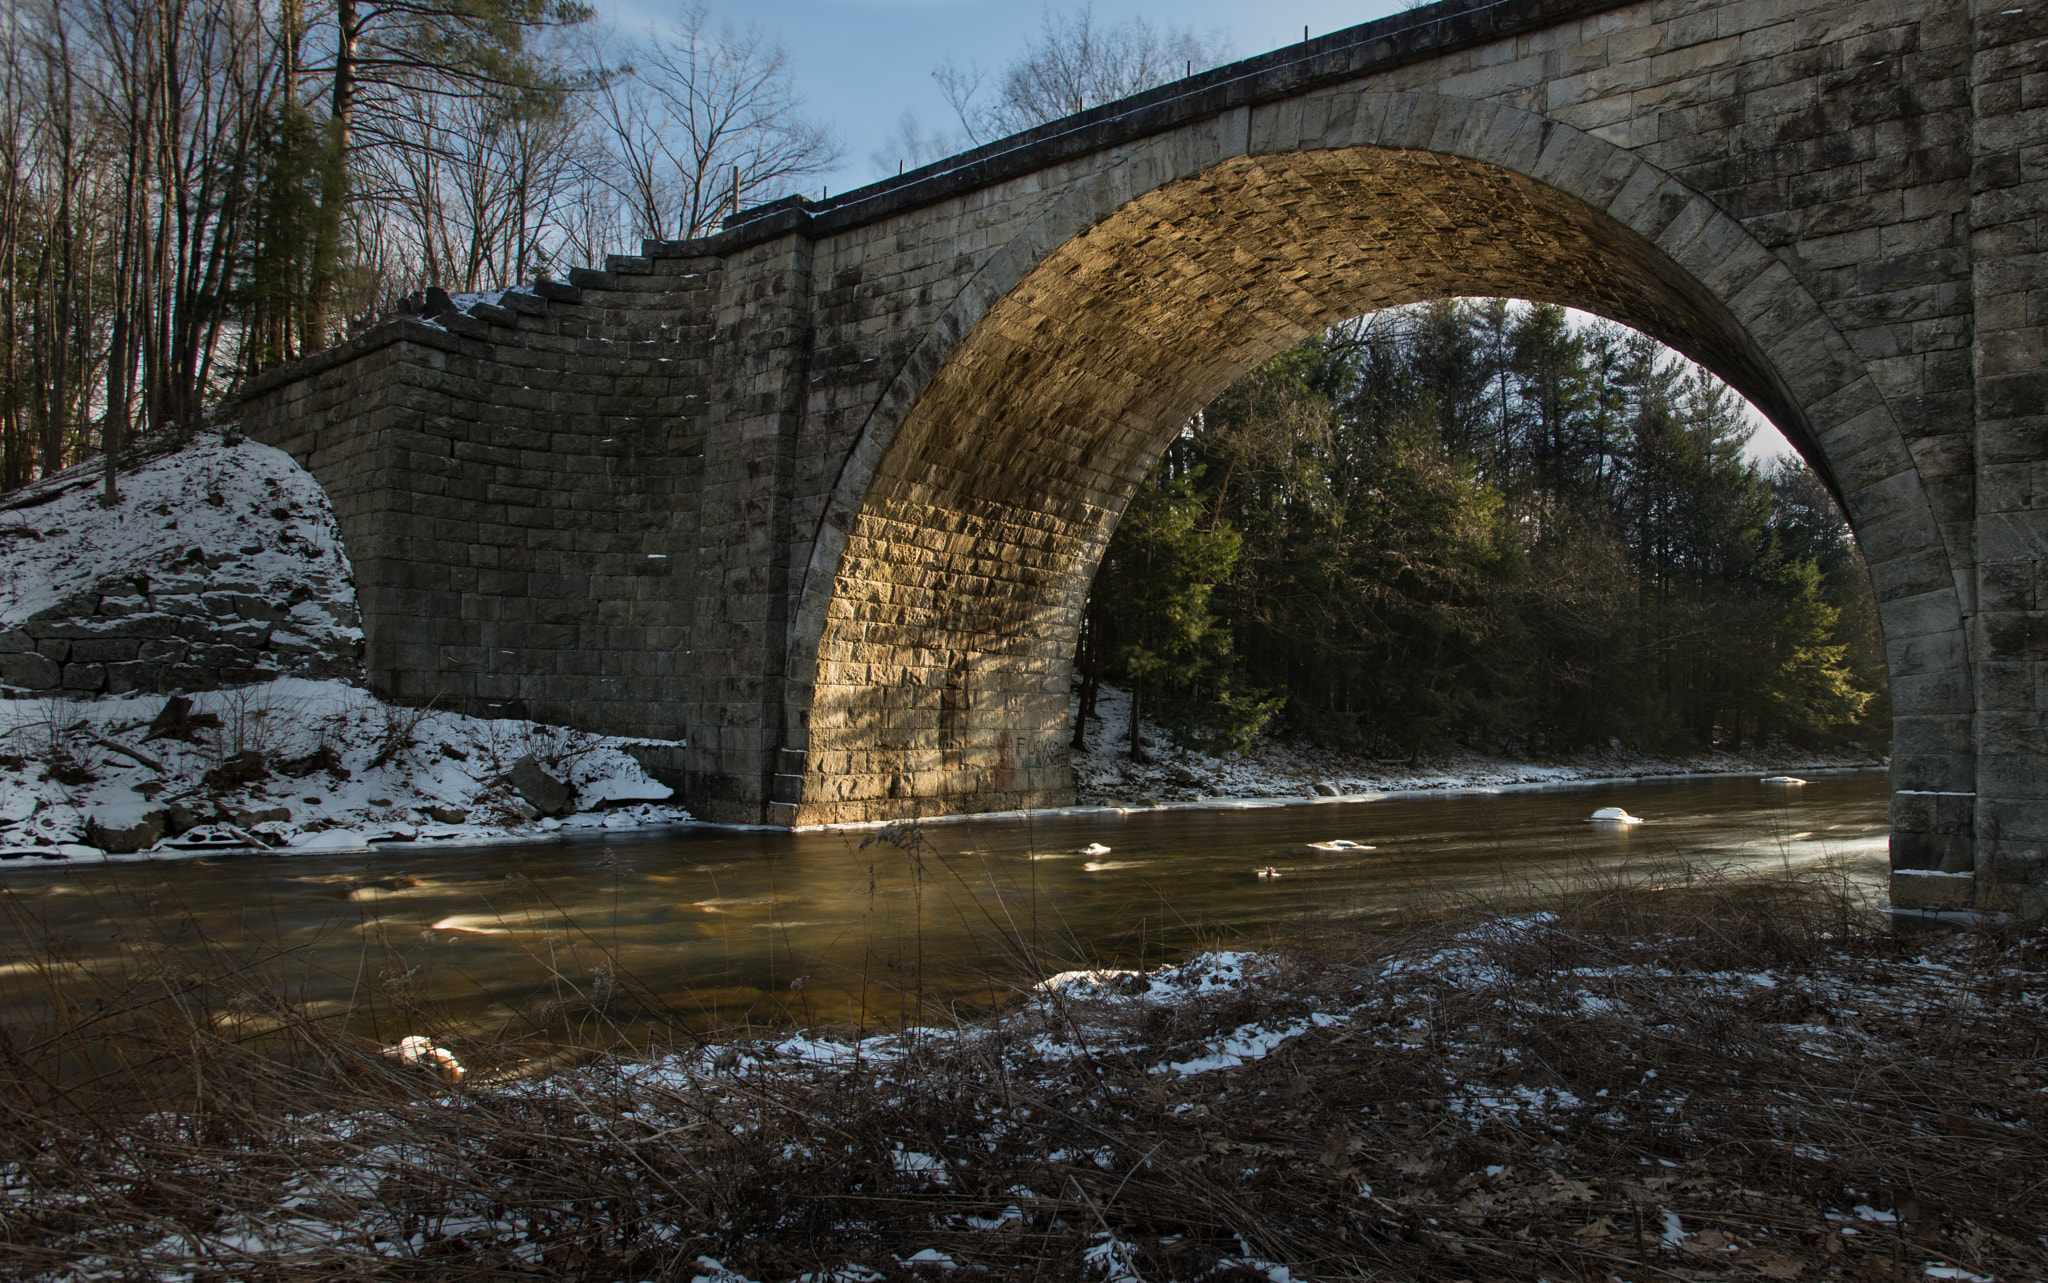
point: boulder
(249, 817)
(123, 828)
(30, 671)
(323, 758)
(245, 767)
(542, 791)
(446, 814)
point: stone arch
(930, 647)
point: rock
(84, 677)
(30, 671)
(245, 767)
(183, 818)
(123, 828)
(139, 675)
(249, 606)
(106, 650)
(323, 758)
(248, 817)
(542, 791)
(1326, 789)
(446, 814)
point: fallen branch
(125, 751)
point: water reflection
(713, 927)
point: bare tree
(706, 120)
(1073, 65)
(387, 57)
(191, 190)
(475, 190)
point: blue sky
(862, 63)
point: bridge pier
(822, 494)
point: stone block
(1927, 889)
(139, 675)
(105, 650)
(30, 671)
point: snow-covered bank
(1279, 767)
(185, 676)
(221, 565)
(294, 765)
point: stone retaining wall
(172, 632)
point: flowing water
(704, 927)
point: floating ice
(421, 1053)
(1615, 815)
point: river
(590, 941)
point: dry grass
(1486, 1098)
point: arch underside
(944, 661)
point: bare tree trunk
(334, 181)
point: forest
(1485, 524)
(194, 190)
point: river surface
(589, 941)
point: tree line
(1477, 523)
(193, 190)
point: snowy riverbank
(295, 766)
(1279, 767)
(185, 677)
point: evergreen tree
(1480, 524)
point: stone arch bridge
(822, 494)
